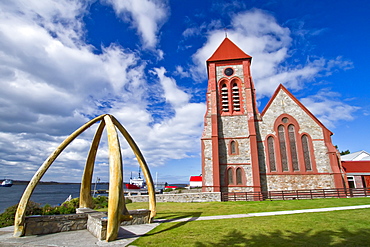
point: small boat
(7, 183)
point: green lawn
(337, 228)
(171, 210)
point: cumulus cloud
(327, 106)
(147, 16)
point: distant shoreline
(21, 182)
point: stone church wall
(238, 71)
(208, 167)
(243, 155)
(233, 126)
(297, 182)
(283, 103)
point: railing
(295, 194)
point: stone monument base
(85, 218)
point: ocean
(53, 194)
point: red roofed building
(195, 181)
(357, 168)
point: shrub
(100, 202)
(7, 218)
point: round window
(229, 71)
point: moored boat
(7, 183)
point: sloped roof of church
(228, 51)
(281, 87)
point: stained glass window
(239, 179)
(271, 151)
(230, 176)
(306, 153)
(283, 151)
(293, 147)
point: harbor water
(53, 194)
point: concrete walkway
(128, 234)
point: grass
(172, 210)
(336, 228)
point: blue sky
(64, 62)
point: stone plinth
(85, 218)
(97, 225)
(139, 216)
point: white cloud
(147, 16)
(172, 93)
(328, 107)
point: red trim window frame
(232, 176)
(233, 147)
(230, 96)
(289, 129)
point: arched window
(230, 178)
(306, 153)
(233, 147)
(283, 151)
(239, 179)
(236, 97)
(224, 98)
(293, 147)
(271, 151)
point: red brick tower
(229, 141)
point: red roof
(196, 179)
(171, 187)
(356, 166)
(228, 51)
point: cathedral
(285, 147)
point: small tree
(345, 152)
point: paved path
(128, 234)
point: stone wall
(85, 218)
(284, 104)
(46, 224)
(208, 164)
(97, 225)
(298, 182)
(181, 197)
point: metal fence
(295, 194)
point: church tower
(229, 140)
